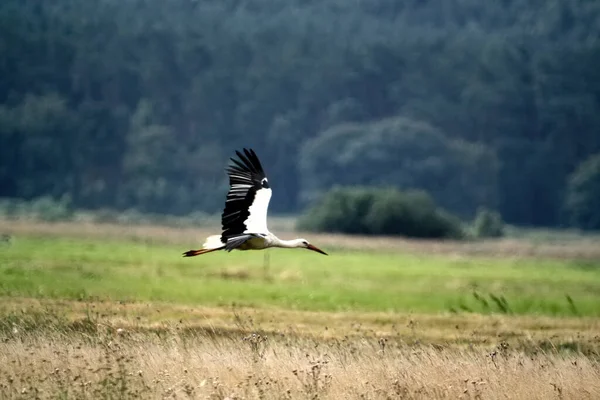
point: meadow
(113, 311)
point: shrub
(370, 211)
(43, 208)
(583, 195)
(488, 224)
(47, 209)
(341, 210)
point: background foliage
(380, 212)
(583, 195)
(139, 104)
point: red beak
(314, 248)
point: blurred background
(135, 106)
(403, 137)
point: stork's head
(303, 243)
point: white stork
(244, 218)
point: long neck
(288, 244)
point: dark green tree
(404, 153)
(510, 87)
(583, 196)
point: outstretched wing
(248, 197)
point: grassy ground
(90, 311)
(180, 364)
(120, 269)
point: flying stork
(244, 219)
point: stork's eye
(305, 243)
(265, 183)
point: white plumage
(212, 242)
(257, 220)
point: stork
(244, 219)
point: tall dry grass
(179, 364)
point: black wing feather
(245, 161)
(246, 177)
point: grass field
(116, 269)
(111, 311)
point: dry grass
(588, 248)
(110, 350)
(445, 329)
(101, 363)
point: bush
(583, 195)
(47, 209)
(42, 208)
(380, 212)
(488, 224)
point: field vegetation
(113, 311)
(92, 362)
(386, 279)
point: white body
(257, 243)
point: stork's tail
(212, 243)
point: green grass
(128, 270)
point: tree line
(139, 104)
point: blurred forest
(138, 104)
